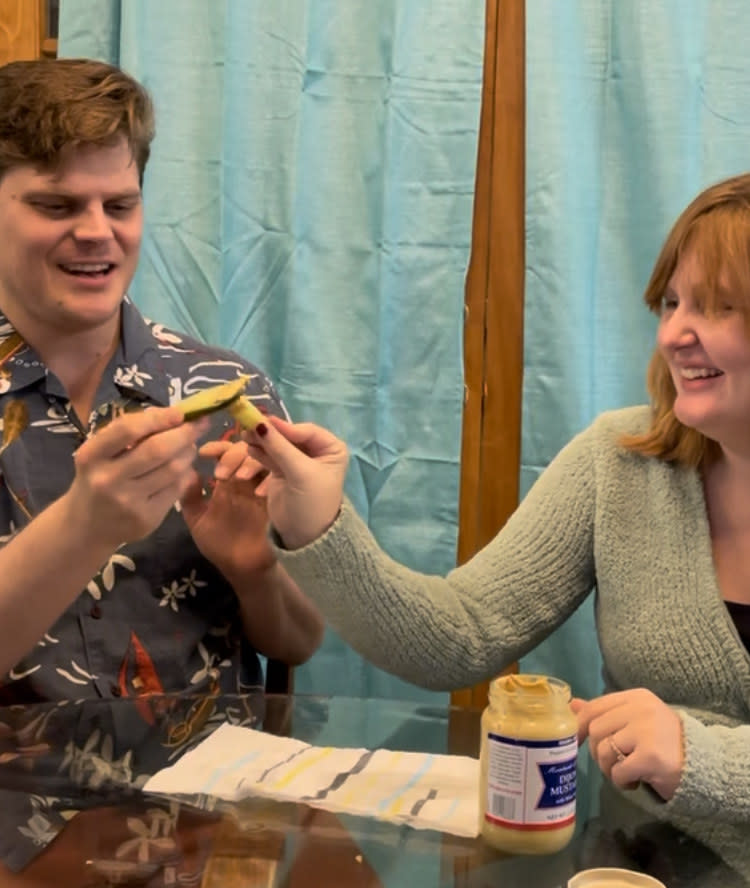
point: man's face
(69, 241)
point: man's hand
(633, 736)
(229, 524)
(230, 527)
(132, 472)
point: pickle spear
(227, 396)
(245, 412)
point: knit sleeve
(715, 780)
(451, 632)
(715, 783)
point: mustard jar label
(531, 784)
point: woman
(649, 507)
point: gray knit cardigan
(632, 529)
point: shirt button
(96, 612)
(116, 692)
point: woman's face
(709, 359)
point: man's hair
(49, 105)
(715, 230)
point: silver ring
(616, 749)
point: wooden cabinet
(28, 29)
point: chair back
(279, 677)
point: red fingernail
(261, 429)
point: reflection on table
(72, 809)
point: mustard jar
(528, 765)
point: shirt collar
(138, 370)
(139, 367)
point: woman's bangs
(720, 243)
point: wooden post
(493, 336)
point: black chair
(279, 677)
(279, 705)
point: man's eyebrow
(52, 191)
(133, 194)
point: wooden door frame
(493, 334)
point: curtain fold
(308, 203)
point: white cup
(612, 877)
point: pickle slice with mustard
(226, 396)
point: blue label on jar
(559, 783)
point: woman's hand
(633, 736)
(305, 482)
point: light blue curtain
(633, 106)
(308, 203)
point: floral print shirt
(157, 616)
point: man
(119, 574)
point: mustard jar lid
(613, 877)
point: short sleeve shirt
(157, 616)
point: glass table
(73, 812)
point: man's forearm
(42, 570)
(278, 619)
